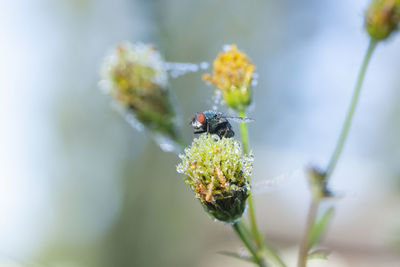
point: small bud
(318, 183)
(232, 74)
(218, 173)
(135, 77)
(382, 18)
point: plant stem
(261, 244)
(312, 213)
(305, 243)
(244, 132)
(350, 113)
(240, 232)
(252, 216)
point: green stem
(350, 113)
(273, 255)
(252, 216)
(238, 227)
(312, 213)
(261, 244)
(305, 243)
(244, 132)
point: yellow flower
(382, 18)
(232, 74)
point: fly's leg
(199, 132)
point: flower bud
(318, 183)
(382, 18)
(232, 75)
(135, 77)
(218, 173)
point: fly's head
(199, 121)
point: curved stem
(350, 113)
(240, 232)
(261, 244)
(312, 213)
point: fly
(215, 122)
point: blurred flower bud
(218, 173)
(318, 183)
(232, 74)
(382, 18)
(134, 75)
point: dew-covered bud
(218, 173)
(382, 18)
(134, 75)
(232, 75)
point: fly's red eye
(201, 118)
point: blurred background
(80, 188)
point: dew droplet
(177, 69)
(270, 184)
(167, 144)
(226, 47)
(204, 65)
(216, 99)
(128, 116)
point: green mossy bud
(382, 18)
(136, 78)
(218, 173)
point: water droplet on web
(226, 47)
(163, 141)
(133, 122)
(243, 253)
(271, 184)
(180, 169)
(177, 69)
(167, 144)
(105, 86)
(204, 65)
(128, 116)
(254, 81)
(216, 99)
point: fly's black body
(215, 122)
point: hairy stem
(312, 213)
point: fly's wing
(237, 119)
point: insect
(215, 122)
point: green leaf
(320, 226)
(321, 254)
(237, 256)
